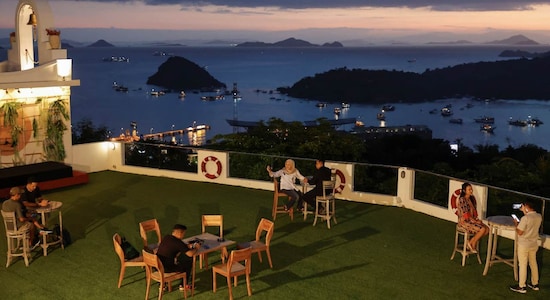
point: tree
(85, 132)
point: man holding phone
(528, 233)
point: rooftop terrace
(374, 252)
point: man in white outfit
(528, 235)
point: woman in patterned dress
(468, 218)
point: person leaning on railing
(468, 217)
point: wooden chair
(155, 270)
(150, 226)
(257, 246)
(212, 221)
(124, 263)
(234, 268)
(279, 209)
(461, 247)
(17, 238)
(328, 202)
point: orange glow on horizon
(136, 15)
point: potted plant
(53, 36)
(12, 38)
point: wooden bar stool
(461, 247)
(17, 239)
(328, 202)
(279, 209)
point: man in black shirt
(170, 249)
(322, 173)
(32, 198)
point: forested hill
(510, 79)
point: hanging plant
(54, 149)
(9, 111)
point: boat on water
(212, 98)
(487, 128)
(456, 121)
(182, 94)
(345, 105)
(337, 110)
(198, 127)
(388, 107)
(485, 120)
(534, 121)
(446, 112)
(520, 123)
(155, 93)
(321, 104)
(119, 87)
(116, 59)
(381, 116)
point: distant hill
(459, 42)
(179, 73)
(514, 40)
(101, 43)
(161, 44)
(288, 43)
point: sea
(257, 72)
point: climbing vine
(57, 114)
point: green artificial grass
(374, 252)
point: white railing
(213, 168)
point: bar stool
(18, 238)
(328, 202)
(279, 209)
(461, 247)
(305, 211)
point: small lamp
(64, 67)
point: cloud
(438, 5)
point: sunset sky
(378, 18)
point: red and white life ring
(342, 178)
(215, 160)
(454, 199)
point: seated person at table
(288, 175)
(170, 249)
(468, 218)
(32, 198)
(14, 205)
(322, 173)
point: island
(179, 73)
(101, 43)
(517, 79)
(289, 43)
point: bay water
(256, 71)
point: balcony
(375, 251)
